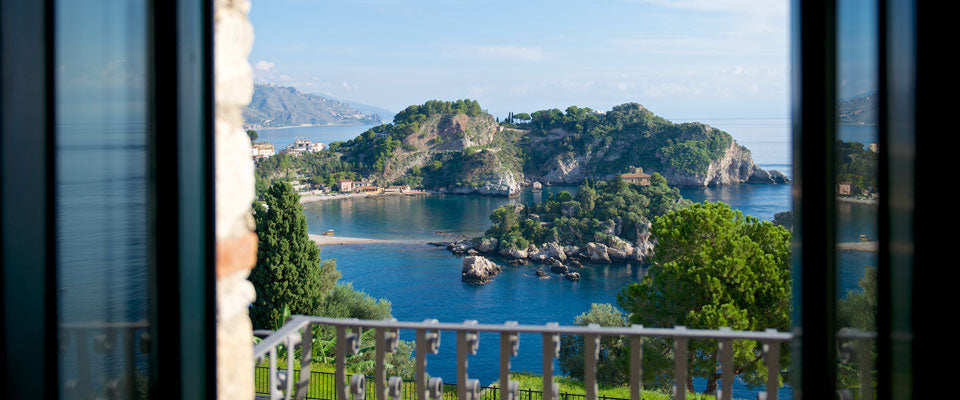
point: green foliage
(858, 310)
(633, 134)
(252, 134)
(858, 166)
(712, 268)
(289, 272)
(613, 362)
(596, 209)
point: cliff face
(470, 150)
(734, 166)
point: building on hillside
(262, 150)
(345, 186)
(301, 145)
(367, 189)
(844, 188)
(874, 147)
(636, 177)
(397, 189)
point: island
(456, 147)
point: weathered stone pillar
(236, 240)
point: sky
(681, 59)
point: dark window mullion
(814, 137)
(27, 170)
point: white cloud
(264, 65)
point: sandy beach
(315, 198)
(859, 246)
(322, 240)
(858, 200)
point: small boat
(865, 238)
(328, 233)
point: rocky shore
(553, 257)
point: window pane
(101, 156)
(857, 193)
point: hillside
(278, 106)
(566, 147)
(861, 110)
(451, 146)
(456, 147)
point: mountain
(278, 106)
(858, 110)
(457, 147)
(385, 114)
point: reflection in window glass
(857, 179)
(101, 137)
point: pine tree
(289, 270)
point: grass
(533, 381)
(527, 381)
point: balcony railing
(298, 331)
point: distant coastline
(269, 128)
(858, 200)
(341, 196)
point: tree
(289, 270)
(252, 134)
(614, 359)
(712, 268)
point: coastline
(859, 246)
(316, 198)
(307, 126)
(858, 200)
(322, 240)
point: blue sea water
(423, 282)
(281, 137)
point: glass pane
(101, 137)
(857, 205)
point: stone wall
(236, 240)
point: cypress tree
(289, 270)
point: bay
(281, 137)
(423, 282)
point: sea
(423, 282)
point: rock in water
(554, 250)
(597, 252)
(477, 269)
(573, 276)
(486, 245)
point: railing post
(726, 367)
(680, 360)
(426, 342)
(551, 350)
(306, 358)
(289, 374)
(636, 365)
(274, 390)
(771, 355)
(591, 351)
(509, 342)
(386, 342)
(864, 362)
(467, 344)
(340, 377)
